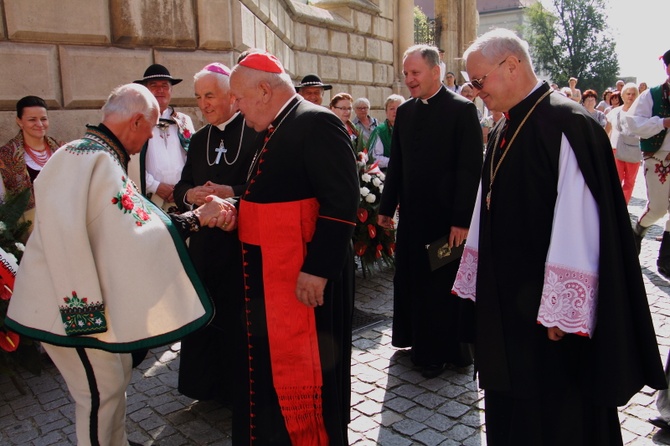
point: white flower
(20, 246)
(366, 177)
(360, 163)
(377, 182)
(370, 198)
(364, 191)
(382, 176)
(381, 188)
(3, 226)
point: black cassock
(436, 159)
(208, 356)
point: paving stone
(429, 437)
(408, 427)
(400, 404)
(453, 409)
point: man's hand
(217, 212)
(385, 221)
(309, 289)
(457, 236)
(555, 333)
(196, 195)
(221, 190)
(164, 191)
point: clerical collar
(223, 125)
(522, 107)
(425, 101)
(281, 110)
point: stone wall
(73, 52)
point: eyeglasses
(362, 108)
(479, 83)
(342, 108)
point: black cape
(513, 353)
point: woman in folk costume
(24, 156)
(80, 288)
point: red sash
(282, 230)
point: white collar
(223, 125)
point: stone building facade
(73, 52)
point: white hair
(127, 100)
(499, 43)
(360, 101)
(222, 80)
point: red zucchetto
(262, 62)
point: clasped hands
(196, 195)
(217, 213)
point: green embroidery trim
(131, 203)
(80, 317)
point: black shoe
(660, 423)
(433, 370)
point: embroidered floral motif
(131, 203)
(81, 317)
(568, 300)
(184, 133)
(662, 171)
(465, 284)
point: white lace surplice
(569, 294)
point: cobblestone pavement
(392, 404)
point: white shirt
(165, 156)
(641, 123)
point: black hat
(666, 58)
(157, 71)
(312, 80)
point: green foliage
(573, 40)
(422, 29)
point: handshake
(217, 212)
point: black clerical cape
(622, 355)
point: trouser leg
(657, 178)
(97, 381)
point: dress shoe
(433, 370)
(660, 423)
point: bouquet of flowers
(15, 351)
(373, 244)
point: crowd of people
(555, 319)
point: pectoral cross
(219, 150)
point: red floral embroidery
(130, 202)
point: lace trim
(569, 299)
(465, 285)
